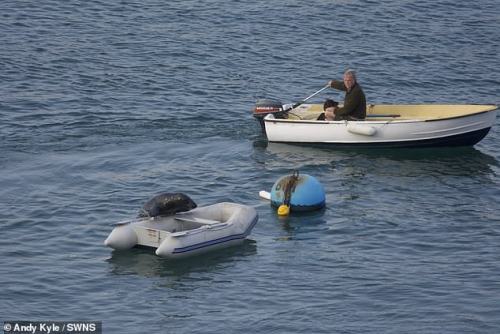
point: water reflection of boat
(144, 262)
(457, 160)
(297, 155)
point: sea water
(104, 104)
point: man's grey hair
(351, 73)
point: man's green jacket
(354, 102)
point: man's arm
(338, 85)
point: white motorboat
(384, 126)
(187, 233)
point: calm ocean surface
(104, 104)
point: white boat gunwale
(270, 118)
(393, 118)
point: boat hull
(466, 139)
(465, 130)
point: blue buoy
(299, 192)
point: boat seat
(383, 115)
(310, 117)
(197, 220)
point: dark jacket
(354, 102)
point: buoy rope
(290, 186)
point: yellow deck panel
(404, 111)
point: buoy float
(265, 195)
(283, 210)
(297, 193)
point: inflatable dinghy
(186, 233)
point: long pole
(307, 98)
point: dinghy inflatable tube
(122, 237)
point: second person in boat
(329, 108)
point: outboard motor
(265, 107)
(167, 204)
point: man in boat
(329, 108)
(354, 102)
